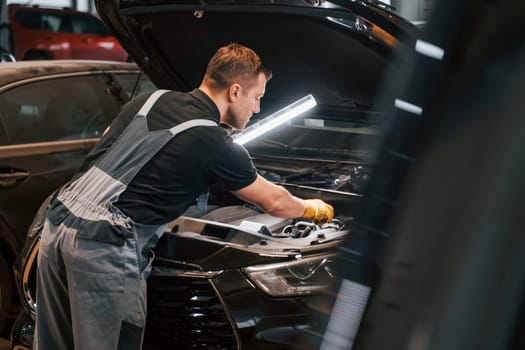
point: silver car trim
(31, 149)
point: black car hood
(337, 50)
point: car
(60, 33)
(51, 114)
(226, 275)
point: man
(160, 153)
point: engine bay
(247, 226)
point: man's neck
(217, 98)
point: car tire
(6, 291)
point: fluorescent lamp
(272, 121)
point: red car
(60, 33)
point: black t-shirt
(186, 167)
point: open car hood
(335, 50)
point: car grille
(186, 313)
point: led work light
(272, 121)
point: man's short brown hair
(234, 63)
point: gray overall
(93, 259)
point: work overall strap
(91, 197)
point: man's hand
(318, 211)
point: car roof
(15, 71)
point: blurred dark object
(442, 218)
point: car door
(49, 126)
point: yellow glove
(318, 211)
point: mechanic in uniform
(162, 151)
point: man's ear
(233, 92)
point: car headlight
(302, 276)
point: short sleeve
(234, 167)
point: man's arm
(277, 201)
(273, 199)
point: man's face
(246, 103)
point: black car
(227, 276)
(51, 114)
